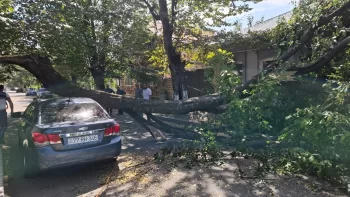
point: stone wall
(168, 86)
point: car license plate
(83, 139)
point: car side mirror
(16, 115)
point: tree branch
(152, 10)
(174, 130)
(140, 120)
(324, 60)
(16, 59)
(305, 38)
(173, 13)
(310, 32)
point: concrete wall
(252, 60)
(240, 58)
(168, 86)
(252, 65)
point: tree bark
(99, 78)
(97, 67)
(177, 67)
(178, 78)
(96, 60)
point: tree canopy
(92, 38)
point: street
(71, 181)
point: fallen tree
(41, 67)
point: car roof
(74, 100)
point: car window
(71, 112)
(29, 114)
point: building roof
(268, 24)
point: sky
(267, 9)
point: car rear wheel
(29, 166)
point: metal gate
(196, 83)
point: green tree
(178, 18)
(85, 39)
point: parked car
(44, 93)
(18, 90)
(31, 92)
(62, 132)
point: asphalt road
(71, 181)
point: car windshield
(42, 89)
(72, 112)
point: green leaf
(10, 9)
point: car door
(27, 124)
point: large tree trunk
(97, 67)
(177, 67)
(99, 78)
(96, 61)
(178, 78)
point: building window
(117, 81)
(239, 67)
(264, 63)
(128, 82)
